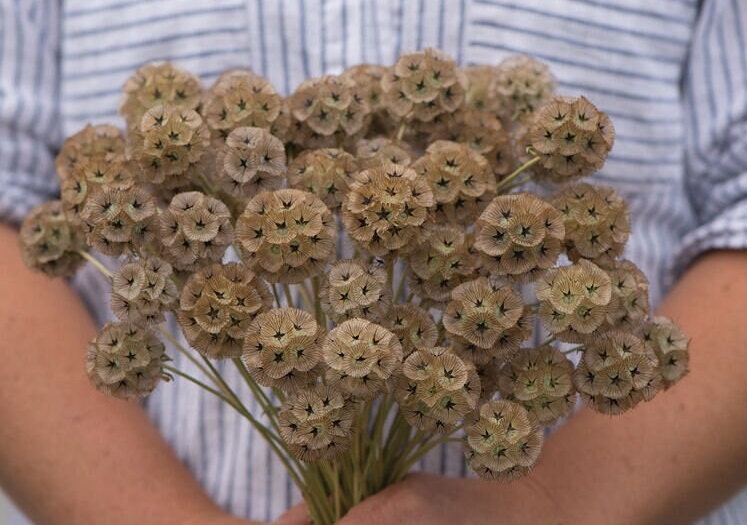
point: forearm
(67, 453)
(670, 460)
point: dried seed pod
(413, 326)
(385, 208)
(324, 172)
(572, 138)
(195, 230)
(287, 235)
(522, 86)
(317, 423)
(355, 288)
(484, 133)
(519, 235)
(597, 222)
(92, 142)
(670, 345)
(217, 305)
(49, 243)
(283, 348)
(506, 346)
(629, 305)
(372, 153)
(503, 441)
(361, 357)
(124, 360)
(142, 291)
(540, 379)
(250, 161)
(481, 95)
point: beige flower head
(368, 79)
(597, 222)
(195, 230)
(481, 95)
(217, 304)
(250, 161)
(519, 235)
(629, 305)
(413, 326)
(287, 235)
(92, 142)
(372, 153)
(283, 349)
(142, 291)
(124, 360)
(355, 288)
(49, 243)
(484, 134)
(503, 442)
(325, 172)
(505, 347)
(385, 209)
(361, 357)
(522, 86)
(540, 379)
(671, 347)
(572, 138)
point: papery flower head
(372, 153)
(250, 161)
(671, 347)
(505, 347)
(484, 134)
(629, 304)
(49, 243)
(92, 142)
(355, 288)
(325, 172)
(413, 326)
(522, 86)
(368, 79)
(481, 89)
(143, 290)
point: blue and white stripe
(672, 74)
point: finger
(297, 515)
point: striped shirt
(672, 74)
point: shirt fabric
(672, 75)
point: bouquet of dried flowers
(380, 237)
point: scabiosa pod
(143, 290)
(671, 347)
(522, 86)
(355, 288)
(250, 161)
(629, 304)
(413, 326)
(372, 153)
(92, 142)
(49, 243)
(325, 172)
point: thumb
(297, 515)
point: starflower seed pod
(629, 305)
(195, 230)
(155, 84)
(485, 134)
(413, 326)
(489, 374)
(481, 310)
(670, 345)
(124, 360)
(92, 142)
(597, 222)
(522, 86)
(519, 235)
(120, 221)
(503, 442)
(250, 161)
(481, 89)
(436, 389)
(372, 153)
(317, 423)
(286, 235)
(385, 209)
(168, 144)
(241, 98)
(142, 291)
(49, 243)
(423, 85)
(540, 379)
(324, 172)
(615, 370)
(217, 305)
(355, 288)
(572, 138)
(283, 348)
(505, 347)
(361, 357)
(443, 261)
(574, 300)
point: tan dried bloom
(519, 235)
(368, 78)
(572, 138)
(324, 172)
(155, 84)
(120, 221)
(503, 442)
(443, 261)
(540, 379)
(142, 290)
(283, 348)
(372, 153)
(505, 347)
(629, 304)
(317, 423)
(597, 222)
(49, 243)
(671, 347)
(355, 288)
(241, 98)
(522, 86)
(614, 371)
(361, 357)
(436, 389)
(217, 305)
(250, 161)
(574, 300)
(413, 326)
(485, 134)
(195, 230)
(489, 374)
(92, 142)
(481, 93)
(423, 85)
(287, 235)
(124, 360)
(385, 208)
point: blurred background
(4, 506)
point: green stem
(579, 348)
(518, 171)
(197, 382)
(96, 263)
(288, 295)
